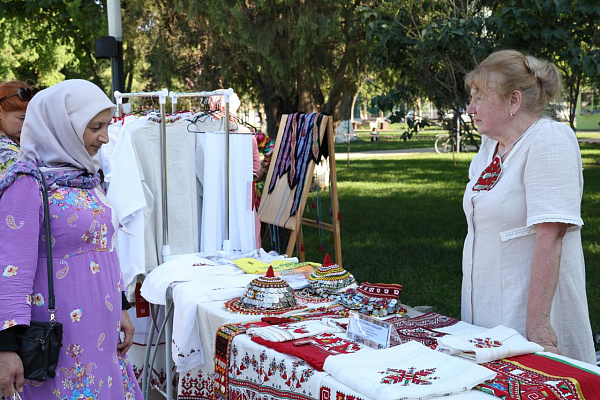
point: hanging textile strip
(322, 149)
(283, 156)
(303, 145)
(298, 119)
(535, 376)
(315, 137)
(299, 145)
(303, 159)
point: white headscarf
(52, 134)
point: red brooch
(489, 176)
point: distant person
(374, 135)
(14, 97)
(523, 263)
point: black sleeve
(8, 339)
(125, 305)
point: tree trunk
(346, 77)
(275, 105)
(310, 97)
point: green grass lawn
(386, 143)
(402, 222)
(588, 134)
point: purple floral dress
(86, 277)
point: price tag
(369, 331)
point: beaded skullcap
(267, 294)
(330, 278)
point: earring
(512, 115)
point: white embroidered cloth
(293, 331)
(461, 328)
(489, 345)
(408, 371)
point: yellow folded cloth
(280, 267)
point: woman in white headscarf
(64, 127)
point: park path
(390, 153)
(382, 153)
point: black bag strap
(51, 299)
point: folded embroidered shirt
(489, 345)
(408, 371)
(296, 330)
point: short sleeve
(553, 176)
(20, 223)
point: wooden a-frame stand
(275, 206)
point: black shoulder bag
(40, 342)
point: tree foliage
(566, 32)
(433, 50)
(301, 55)
(291, 53)
(431, 45)
(49, 40)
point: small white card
(369, 331)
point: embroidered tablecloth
(290, 377)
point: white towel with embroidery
(489, 345)
(295, 330)
(408, 371)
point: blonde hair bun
(503, 71)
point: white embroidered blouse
(541, 181)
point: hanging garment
(211, 175)
(129, 197)
(106, 151)
(181, 196)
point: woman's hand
(128, 329)
(544, 335)
(11, 373)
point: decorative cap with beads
(330, 279)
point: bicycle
(469, 141)
(446, 143)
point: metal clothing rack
(226, 93)
(166, 250)
(167, 325)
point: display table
(223, 361)
(257, 372)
